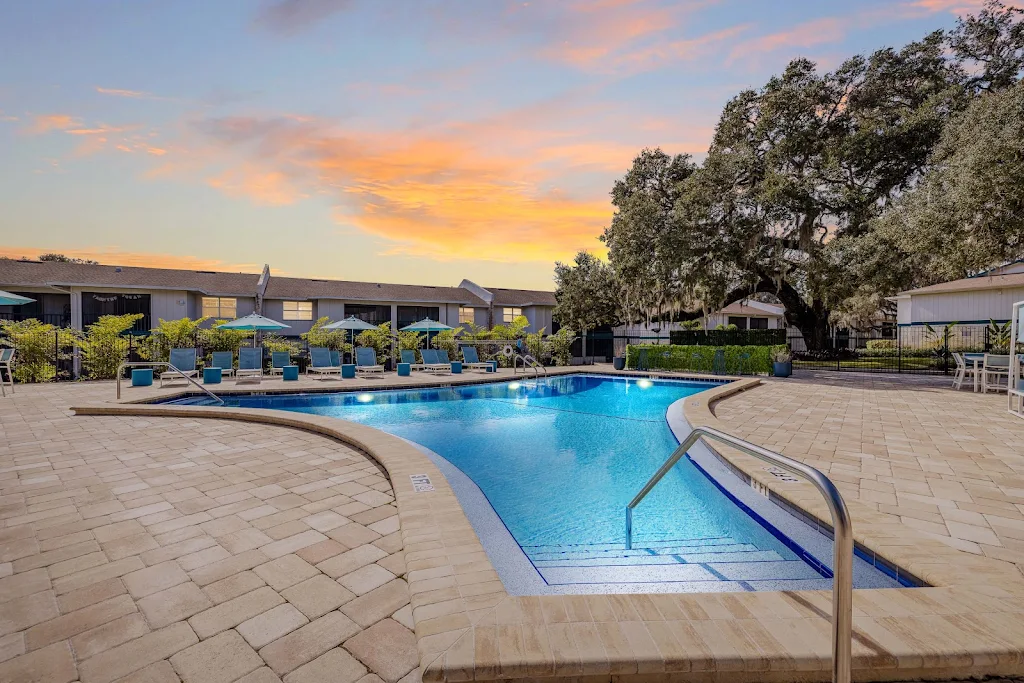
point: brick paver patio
(947, 463)
(154, 550)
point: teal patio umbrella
(8, 299)
(426, 325)
(352, 324)
(254, 322)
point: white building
(972, 300)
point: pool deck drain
(970, 623)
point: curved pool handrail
(842, 533)
(126, 364)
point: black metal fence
(916, 349)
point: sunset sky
(417, 141)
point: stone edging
(468, 628)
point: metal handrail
(528, 362)
(842, 533)
(126, 364)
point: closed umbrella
(8, 299)
(255, 323)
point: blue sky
(413, 141)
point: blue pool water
(558, 459)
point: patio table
(978, 360)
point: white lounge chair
(471, 361)
(279, 359)
(250, 365)
(409, 356)
(184, 362)
(321, 364)
(7, 366)
(434, 363)
(225, 360)
(995, 373)
(366, 362)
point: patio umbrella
(351, 323)
(8, 299)
(426, 325)
(255, 323)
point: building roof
(47, 273)
(521, 297)
(740, 308)
(24, 273)
(305, 288)
(972, 283)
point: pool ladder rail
(842, 533)
(147, 363)
(528, 362)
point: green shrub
(701, 358)
(36, 344)
(560, 345)
(104, 345)
(445, 340)
(882, 345)
(378, 339)
(172, 334)
(275, 343)
(221, 339)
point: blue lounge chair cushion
(225, 360)
(469, 354)
(409, 356)
(365, 357)
(250, 358)
(279, 359)
(183, 359)
(320, 357)
(335, 357)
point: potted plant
(782, 364)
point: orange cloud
(805, 35)
(117, 92)
(115, 256)
(436, 194)
(45, 123)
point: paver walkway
(948, 463)
(158, 550)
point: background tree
(585, 292)
(61, 258)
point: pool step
(583, 554)
(775, 571)
(647, 560)
(642, 545)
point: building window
(467, 315)
(375, 315)
(740, 323)
(510, 313)
(298, 310)
(759, 323)
(407, 315)
(220, 307)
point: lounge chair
(366, 361)
(995, 373)
(184, 360)
(7, 365)
(250, 364)
(335, 357)
(225, 360)
(409, 356)
(433, 364)
(471, 361)
(279, 359)
(321, 363)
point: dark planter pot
(782, 369)
(619, 363)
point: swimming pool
(557, 460)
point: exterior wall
(274, 309)
(539, 317)
(971, 306)
(167, 305)
(715, 319)
(481, 317)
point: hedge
(702, 358)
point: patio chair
(471, 361)
(1016, 391)
(366, 362)
(321, 364)
(250, 365)
(183, 360)
(962, 372)
(225, 360)
(279, 359)
(995, 373)
(433, 364)
(7, 364)
(409, 356)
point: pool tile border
(970, 623)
